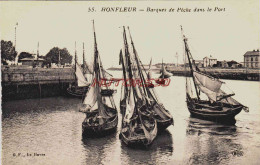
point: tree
(24, 55)
(230, 63)
(7, 51)
(53, 56)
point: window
(256, 58)
(252, 59)
(256, 64)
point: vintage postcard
(130, 82)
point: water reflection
(211, 142)
(98, 149)
(159, 151)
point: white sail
(91, 98)
(130, 106)
(80, 77)
(165, 73)
(149, 74)
(209, 82)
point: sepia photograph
(130, 82)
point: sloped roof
(211, 58)
(250, 53)
(32, 59)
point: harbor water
(48, 131)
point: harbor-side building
(209, 61)
(32, 61)
(252, 59)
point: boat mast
(75, 55)
(124, 69)
(187, 51)
(84, 67)
(59, 64)
(138, 65)
(162, 69)
(37, 63)
(130, 74)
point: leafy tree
(7, 51)
(230, 63)
(53, 56)
(24, 55)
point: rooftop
(32, 59)
(254, 53)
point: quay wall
(222, 73)
(23, 83)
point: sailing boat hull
(138, 137)
(97, 130)
(135, 142)
(214, 113)
(163, 124)
(77, 91)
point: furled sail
(82, 82)
(130, 106)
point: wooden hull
(137, 142)
(226, 115)
(162, 125)
(138, 138)
(96, 130)
(77, 91)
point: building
(199, 63)
(222, 64)
(32, 61)
(209, 61)
(251, 59)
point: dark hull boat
(92, 128)
(81, 85)
(107, 92)
(101, 114)
(137, 130)
(161, 115)
(76, 91)
(164, 75)
(136, 133)
(205, 110)
(220, 106)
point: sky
(224, 35)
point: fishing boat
(149, 76)
(164, 75)
(217, 104)
(137, 129)
(81, 84)
(101, 113)
(155, 107)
